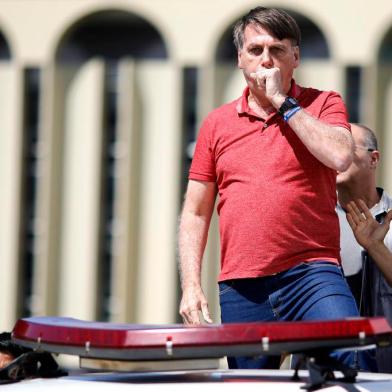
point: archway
(314, 44)
(103, 70)
(111, 34)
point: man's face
(364, 161)
(261, 49)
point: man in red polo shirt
(272, 157)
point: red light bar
(135, 342)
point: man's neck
(349, 192)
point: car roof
(205, 381)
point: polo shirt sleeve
(334, 112)
(203, 162)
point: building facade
(100, 102)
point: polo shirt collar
(242, 106)
(383, 205)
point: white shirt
(350, 250)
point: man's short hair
(370, 137)
(277, 22)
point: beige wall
(143, 282)
(191, 28)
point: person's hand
(193, 301)
(270, 81)
(5, 359)
(367, 231)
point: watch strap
(291, 113)
(289, 103)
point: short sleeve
(203, 163)
(334, 111)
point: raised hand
(367, 231)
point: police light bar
(134, 342)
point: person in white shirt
(365, 238)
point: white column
(368, 111)
(127, 197)
(11, 109)
(158, 90)
(229, 83)
(81, 192)
(322, 75)
(54, 82)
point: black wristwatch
(289, 103)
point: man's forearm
(382, 256)
(330, 145)
(192, 240)
(333, 146)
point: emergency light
(133, 342)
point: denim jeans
(310, 291)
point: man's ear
(239, 59)
(296, 56)
(374, 158)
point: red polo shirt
(276, 200)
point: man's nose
(266, 59)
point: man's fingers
(364, 208)
(194, 318)
(190, 314)
(357, 210)
(354, 212)
(192, 303)
(258, 79)
(388, 218)
(351, 221)
(191, 318)
(206, 313)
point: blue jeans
(310, 291)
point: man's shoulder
(226, 108)
(217, 119)
(384, 204)
(386, 200)
(323, 104)
(314, 93)
(224, 113)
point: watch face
(292, 101)
(289, 103)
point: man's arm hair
(370, 234)
(192, 239)
(333, 146)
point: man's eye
(256, 51)
(277, 51)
